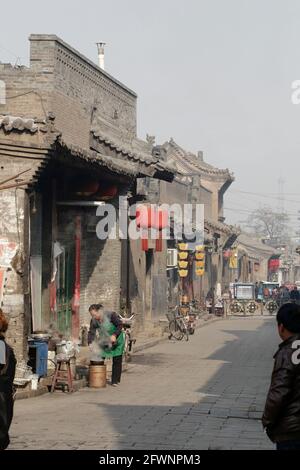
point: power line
(263, 193)
(249, 211)
(266, 195)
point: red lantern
(159, 242)
(226, 254)
(161, 219)
(87, 188)
(107, 193)
(145, 244)
(274, 264)
(145, 216)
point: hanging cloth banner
(233, 260)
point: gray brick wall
(99, 262)
(64, 82)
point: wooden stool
(62, 377)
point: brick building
(68, 143)
(195, 182)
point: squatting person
(281, 418)
(111, 337)
(7, 375)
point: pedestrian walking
(256, 290)
(281, 418)
(108, 326)
(7, 375)
(295, 295)
(227, 297)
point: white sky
(215, 75)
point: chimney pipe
(100, 47)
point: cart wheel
(251, 307)
(271, 306)
(236, 307)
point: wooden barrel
(97, 376)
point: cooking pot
(96, 363)
(66, 347)
(40, 335)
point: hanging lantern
(160, 219)
(226, 254)
(182, 264)
(86, 188)
(145, 216)
(158, 244)
(199, 271)
(200, 264)
(183, 246)
(106, 193)
(182, 254)
(200, 248)
(145, 244)
(183, 272)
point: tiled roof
(132, 160)
(254, 246)
(187, 161)
(134, 152)
(116, 166)
(221, 227)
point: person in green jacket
(107, 326)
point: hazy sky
(214, 74)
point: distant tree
(267, 223)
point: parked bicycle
(129, 340)
(178, 326)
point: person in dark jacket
(111, 339)
(295, 295)
(281, 418)
(7, 375)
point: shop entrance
(65, 289)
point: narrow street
(207, 393)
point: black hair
(289, 316)
(95, 307)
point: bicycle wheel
(183, 328)
(186, 333)
(175, 330)
(126, 348)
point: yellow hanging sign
(183, 264)
(183, 272)
(199, 272)
(200, 264)
(183, 246)
(183, 254)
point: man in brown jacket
(281, 418)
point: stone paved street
(205, 393)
